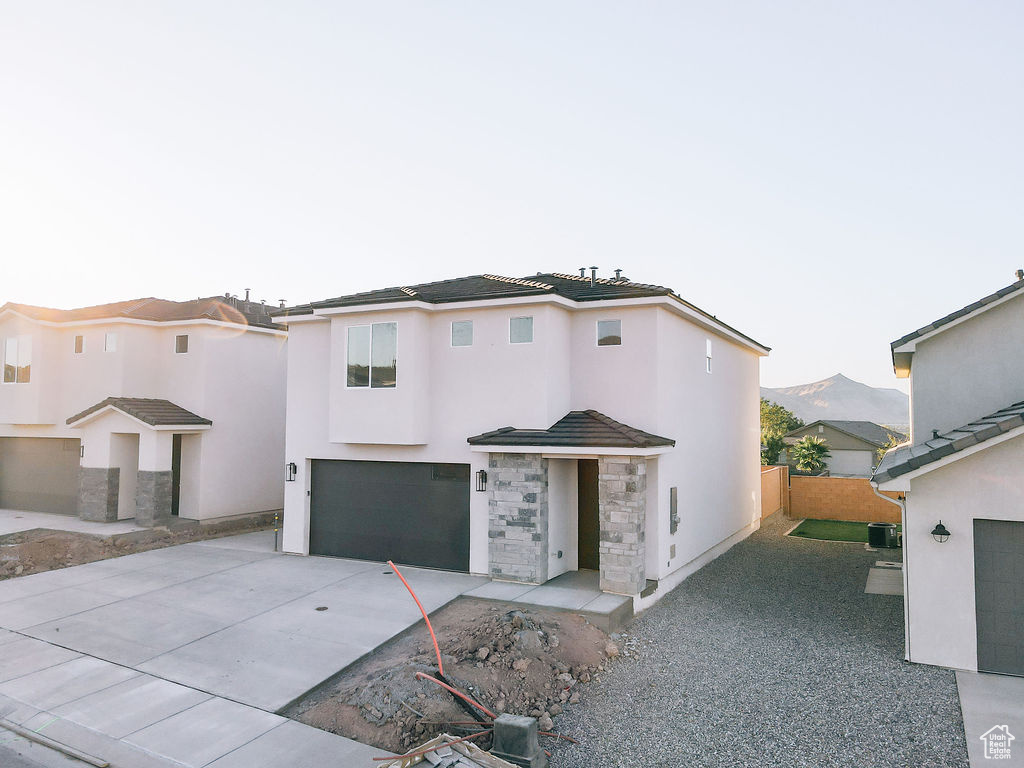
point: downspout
(902, 504)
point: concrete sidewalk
(14, 521)
(989, 701)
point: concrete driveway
(207, 639)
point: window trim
(74, 344)
(533, 335)
(451, 335)
(18, 342)
(107, 337)
(597, 331)
(709, 357)
(176, 338)
(369, 372)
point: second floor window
(18, 360)
(462, 333)
(609, 333)
(79, 344)
(181, 344)
(110, 342)
(372, 356)
(707, 359)
(520, 330)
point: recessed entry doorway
(589, 524)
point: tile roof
(156, 413)
(487, 286)
(867, 431)
(585, 429)
(157, 310)
(963, 312)
(900, 461)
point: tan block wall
(774, 490)
(839, 498)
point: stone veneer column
(97, 493)
(518, 528)
(153, 498)
(621, 489)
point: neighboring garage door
(380, 510)
(39, 474)
(999, 592)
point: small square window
(520, 330)
(79, 344)
(110, 342)
(181, 344)
(609, 333)
(462, 333)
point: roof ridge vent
(520, 281)
(408, 291)
(605, 280)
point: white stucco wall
(940, 600)
(234, 377)
(656, 381)
(851, 463)
(968, 371)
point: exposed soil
(43, 549)
(526, 661)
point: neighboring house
(853, 445)
(964, 467)
(142, 409)
(632, 450)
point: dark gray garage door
(39, 474)
(999, 589)
(380, 510)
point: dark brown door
(175, 473)
(589, 521)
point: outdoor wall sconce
(940, 533)
(292, 471)
(481, 480)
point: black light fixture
(940, 533)
(481, 480)
(292, 471)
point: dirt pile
(43, 549)
(528, 662)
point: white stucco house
(145, 409)
(522, 428)
(964, 468)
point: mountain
(841, 398)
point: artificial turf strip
(832, 530)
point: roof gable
(151, 411)
(867, 431)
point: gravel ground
(772, 655)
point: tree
(776, 421)
(810, 453)
(894, 440)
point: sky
(823, 176)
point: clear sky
(824, 176)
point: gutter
(906, 569)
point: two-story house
(962, 476)
(142, 409)
(521, 428)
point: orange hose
(440, 667)
(464, 697)
(433, 749)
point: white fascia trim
(911, 346)
(180, 428)
(670, 303)
(151, 323)
(299, 319)
(570, 452)
(902, 483)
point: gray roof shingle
(868, 431)
(585, 429)
(157, 310)
(155, 412)
(907, 458)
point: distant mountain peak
(840, 397)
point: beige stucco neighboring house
(145, 409)
(522, 428)
(964, 468)
(853, 445)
